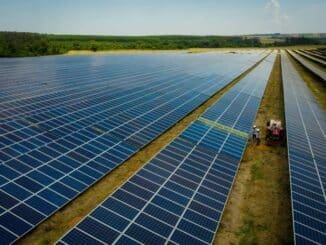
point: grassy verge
(190, 50)
(63, 220)
(122, 51)
(303, 47)
(138, 51)
(315, 84)
(259, 208)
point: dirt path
(259, 208)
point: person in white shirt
(258, 136)
(253, 134)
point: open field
(123, 51)
(270, 40)
(190, 50)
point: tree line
(20, 44)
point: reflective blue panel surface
(67, 121)
(306, 139)
(180, 194)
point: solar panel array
(311, 57)
(320, 51)
(306, 128)
(314, 69)
(180, 194)
(314, 54)
(68, 121)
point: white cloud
(275, 12)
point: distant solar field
(65, 122)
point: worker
(258, 136)
(253, 134)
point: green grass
(250, 229)
(248, 232)
(256, 173)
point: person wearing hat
(253, 134)
(258, 136)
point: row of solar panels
(106, 83)
(50, 156)
(180, 194)
(314, 54)
(61, 75)
(318, 60)
(306, 139)
(311, 67)
(47, 76)
(319, 51)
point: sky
(156, 17)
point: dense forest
(18, 44)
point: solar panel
(311, 57)
(68, 121)
(306, 128)
(314, 54)
(180, 194)
(314, 69)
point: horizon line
(153, 35)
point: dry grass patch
(122, 51)
(191, 50)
